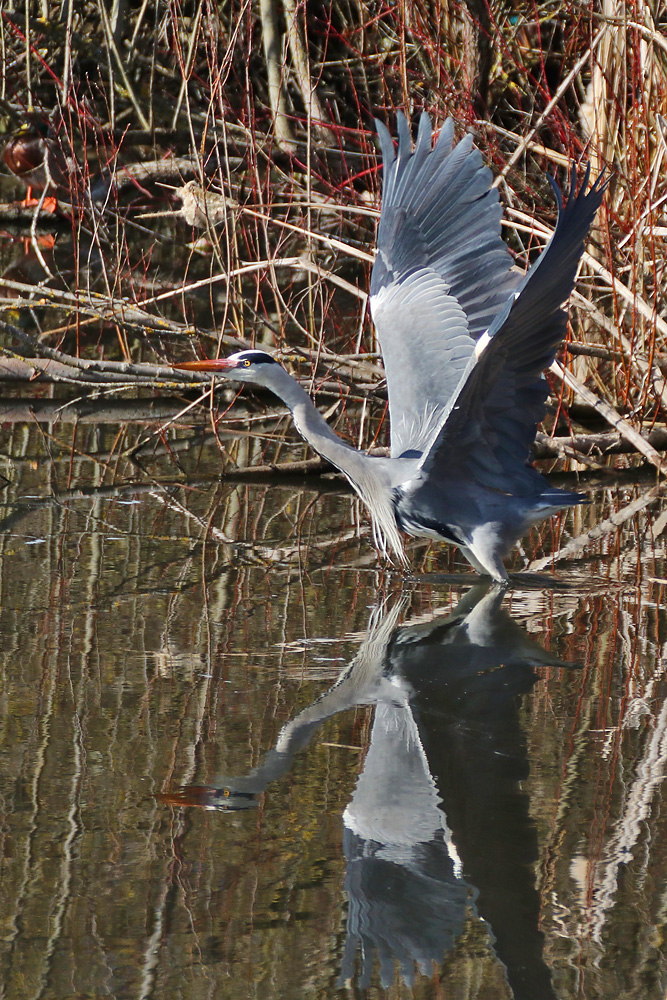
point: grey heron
(464, 342)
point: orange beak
(207, 365)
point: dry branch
(576, 546)
(625, 429)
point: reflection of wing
(441, 275)
(486, 437)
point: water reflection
(437, 835)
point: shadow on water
(438, 831)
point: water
(240, 758)
(193, 806)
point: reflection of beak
(207, 365)
(207, 797)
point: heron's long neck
(312, 426)
(368, 476)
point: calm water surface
(270, 769)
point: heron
(465, 342)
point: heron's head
(246, 366)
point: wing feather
(486, 436)
(441, 275)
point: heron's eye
(246, 363)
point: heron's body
(464, 343)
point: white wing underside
(441, 275)
(426, 344)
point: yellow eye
(246, 363)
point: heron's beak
(207, 365)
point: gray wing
(441, 275)
(487, 435)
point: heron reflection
(437, 833)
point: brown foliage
(269, 107)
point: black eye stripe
(258, 358)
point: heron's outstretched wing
(441, 275)
(491, 424)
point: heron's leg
(486, 562)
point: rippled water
(266, 767)
(240, 758)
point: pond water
(268, 767)
(240, 757)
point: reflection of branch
(85, 410)
(126, 314)
(632, 824)
(161, 496)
